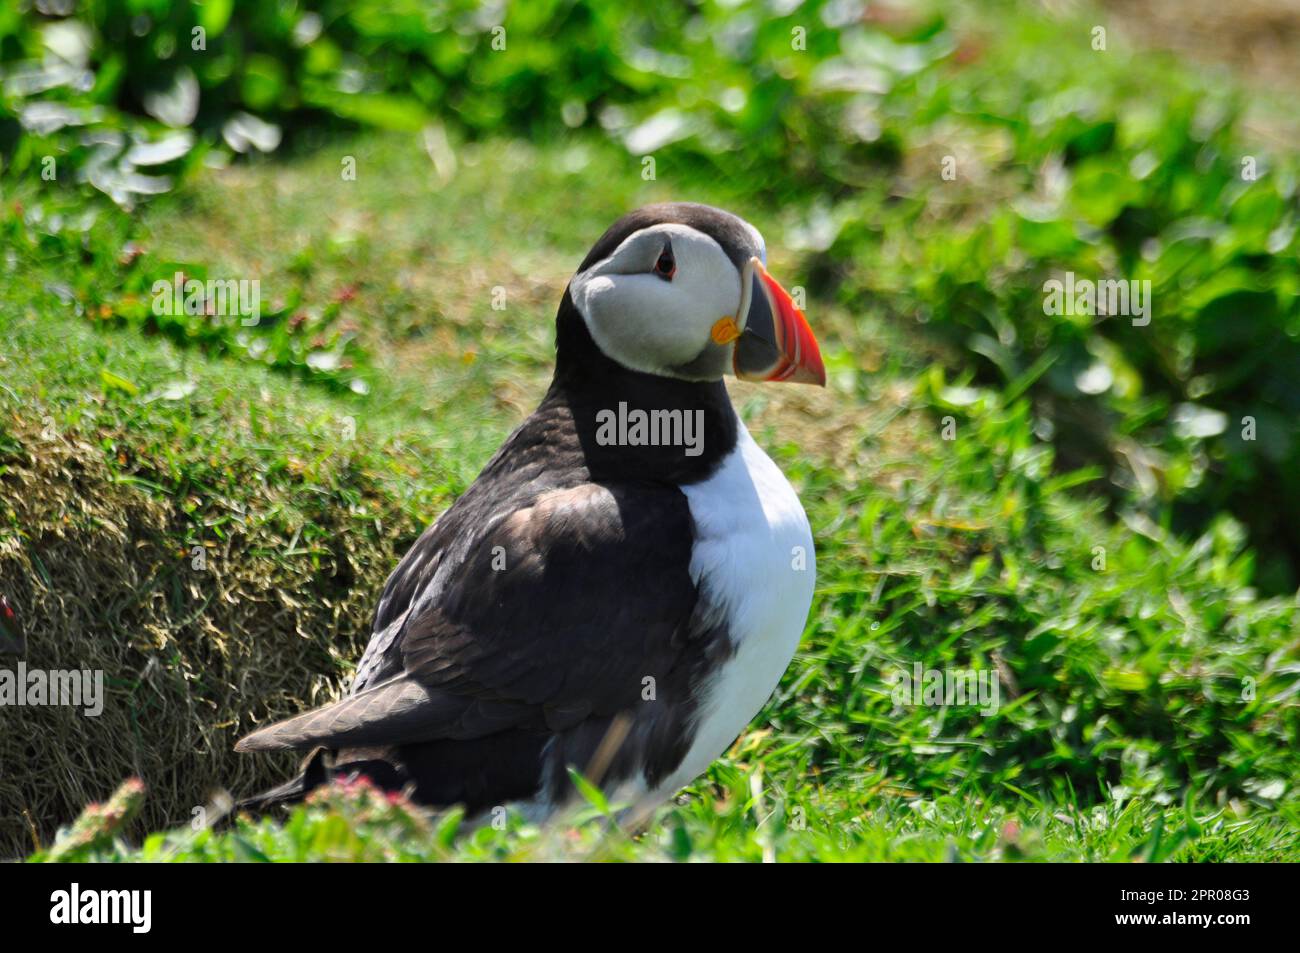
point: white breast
(753, 559)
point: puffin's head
(680, 290)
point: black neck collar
(592, 386)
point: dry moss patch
(200, 632)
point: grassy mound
(216, 556)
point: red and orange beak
(775, 342)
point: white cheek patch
(650, 324)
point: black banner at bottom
(131, 902)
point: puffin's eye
(666, 266)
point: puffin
(622, 587)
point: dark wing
(557, 610)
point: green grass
(737, 817)
(951, 469)
(1129, 735)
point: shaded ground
(1258, 39)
